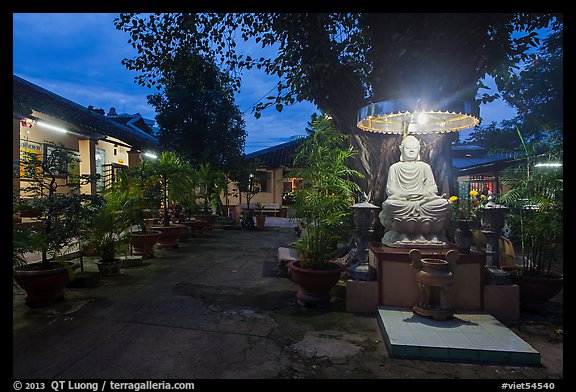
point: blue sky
(78, 56)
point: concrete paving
(215, 308)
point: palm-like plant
(172, 173)
(322, 203)
(211, 183)
(536, 198)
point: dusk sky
(78, 56)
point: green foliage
(249, 182)
(173, 175)
(211, 183)
(536, 199)
(323, 201)
(137, 192)
(339, 60)
(537, 91)
(55, 193)
(110, 222)
(196, 112)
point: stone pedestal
(397, 283)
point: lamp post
(364, 218)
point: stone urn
(434, 279)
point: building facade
(103, 144)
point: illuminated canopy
(418, 116)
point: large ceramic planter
(143, 243)
(535, 292)
(43, 287)
(170, 235)
(315, 285)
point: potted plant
(249, 184)
(172, 174)
(535, 198)
(108, 229)
(138, 197)
(260, 217)
(322, 204)
(210, 183)
(62, 214)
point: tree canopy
(196, 112)
(341, 62)
(537, 94)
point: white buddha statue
(413, 214)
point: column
(133, 157)
(87, 150)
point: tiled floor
(468, 337)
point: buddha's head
(410, 149)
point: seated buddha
(413, 213)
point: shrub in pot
(260, 217)
(322, 204)
(108, 230)
(172, 174)
(535, 197)
(62, 213)
(139, 198)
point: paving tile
(455, 339)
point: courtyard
(215, 308)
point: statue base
(400, 240)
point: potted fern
(322, 205)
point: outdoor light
(50, 126)
(150, 155)
(548, 164)
(418, 116)
(26, 122)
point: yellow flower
(453, 198)
(473, 193)
(483, 196)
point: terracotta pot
(43, 287)
(196, 227)
(170, 235)
(535, 292)
(210, 219)
(143, 243)
(260, 221)
(315, 285)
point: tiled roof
(281, 155)
(27, 96)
